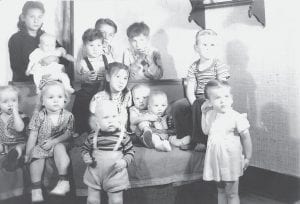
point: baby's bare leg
(94, 196)
(115, 198)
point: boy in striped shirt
(187, 111)
(107, 152)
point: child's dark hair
(111, 69)
(137, 29)
(91, 35)
(27, 6)
(106, 21)
(213, 84)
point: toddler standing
(36, 67)
(229, 147)
(92, 71)
(50, 131)
(144, 62)
(107, 152)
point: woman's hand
(48, 60)
(92, 76)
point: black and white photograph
(128, 101)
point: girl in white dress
(229, 146)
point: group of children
(103, 112)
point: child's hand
(120, 165)
(92, 76)
(19, 151)
(62, 51)
(87, 159)
(246, 164)
(152, 117)
(206, 106)
(15, 109)
(27, 158)
(48, 144)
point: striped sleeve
(128, 150)
(191, 76)
(87, 146)
(222, 70)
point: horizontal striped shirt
(217, 70)
(106, 141)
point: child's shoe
(61, 188)
(174, 141)
(37, 195)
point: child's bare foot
(174, 141)
(200, 147)
(167, 146)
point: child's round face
(8, 100)
(140, 98)
(139, 43)
(220, 99)
(108, 33)
(118, 81)
(54, 98)
(158, 105)
(33, 19)
(48, 44)
(206, 46)
(108, 118)
(94, 48)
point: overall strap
(88, 63)
(95, 140)
(105, 62)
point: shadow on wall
(160, 40)
(242, 82)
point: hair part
(205, 32)
(106, 21)
(26, 7)
(91, 34)
(137, 29)
(214, 84)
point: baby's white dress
(224, 160)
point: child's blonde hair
(44, 85)
(205, 32)
(10, 88)
(138, 87)
(156, 93)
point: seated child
(39, 68)
(108, 29)
(144, 62)
(11, 123)
(187, 111)
(92, 75)
(154, 126)
(107, 152)
(51, 128)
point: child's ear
(196, 48)
(107, 77)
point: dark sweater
(20, 45)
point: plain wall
(265, 78)
(9, 15)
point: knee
(93, 200)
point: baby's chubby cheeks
(140, 95)
(106, 116)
